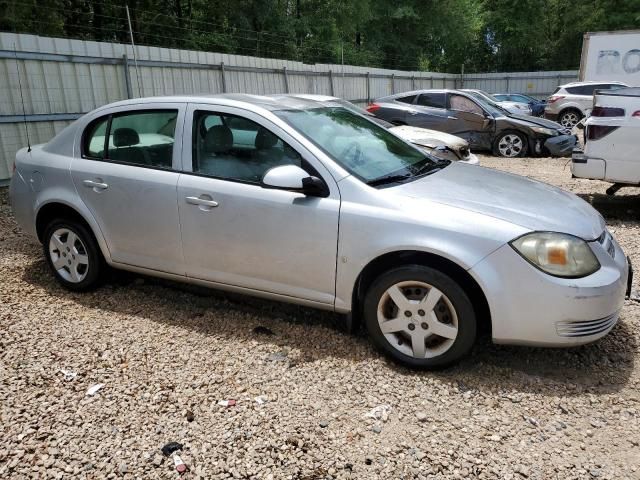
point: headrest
(218, 139)
(125, 137)
(265, 139)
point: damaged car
(439, 144)
(486, 126)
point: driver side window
(463, 104)
(235, 148)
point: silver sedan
(311, 203)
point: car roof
(416, 92)
(590, 82)
(243, 100)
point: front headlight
(557, 254)
(545, 131)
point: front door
(466, 119)
(127, 176)
(236, 232)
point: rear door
(429, 111)
(127, 175)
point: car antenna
(24, 113)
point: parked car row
(312, 203)
(479, 120)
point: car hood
(512, 198)
(536, 121)
(429, 138)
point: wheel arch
(58, 209)
(390, 260)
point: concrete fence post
(507, 79)
(333, 89)
(127, 77)
(223, 78)
(413, 82)
(368, 87)
(286, 79)
(393, 83)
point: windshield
(362, 147)
(492, 107)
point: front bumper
(583, 166)
(541, 310)
(560, 146)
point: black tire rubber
(467, 323)
(97, 265)
(525, 143)
(568, 110)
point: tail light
(554, 98)
(372, 107)
(607, 112)
(636, 113)
(596, 132)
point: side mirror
(295, 179)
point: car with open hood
(292, 200)
(484, 124)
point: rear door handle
(201, 201)
(95, 185)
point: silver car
(291, 199)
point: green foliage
(482, 35)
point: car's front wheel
(73, 255)
(420, 317)
(510, 145)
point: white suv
(569, 103)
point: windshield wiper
(387, 179)
(431, 167)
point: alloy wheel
(417, 319)
(510, 145)
(569, 119)
(68, 255)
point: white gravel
(167, 355)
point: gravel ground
(167, 354)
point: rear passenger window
(582, 89)
(93, 144)
(142, 138)
(408, 99)
(435, 100)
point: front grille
(585, 328)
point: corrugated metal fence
(62, 79)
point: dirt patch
(167, 355)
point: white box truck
(611, 56)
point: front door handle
(206, 202)
(99, 185)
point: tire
(76, 262)
(510, 144)
(438, 332)
(570, 117)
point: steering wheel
(357, 153)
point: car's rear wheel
(510, 145)
(420, 317)
(569, 118)
(73, 255)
